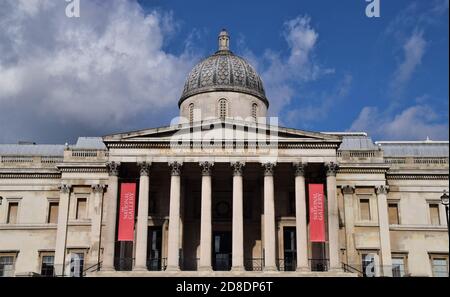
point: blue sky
(325, 65)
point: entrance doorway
(221, 256)
(154, 249)
(290, 248)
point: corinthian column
(111, 207)
(142, 220)
(300, 218)
(173, 253)
(383, 221)
(61, 231)
(238, 218)
(206, 218)
(333, 217)
(269, 219)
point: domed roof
(223, 71)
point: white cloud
(97, 73)
(413, 123)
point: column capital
(348, 189)
(113, 168)
(299, 168)
(382, 189)
(175, 168)
(206, 167)
(331, 168)
(144, 168)
(98, 188)
(65, 188)
(269, 168)
(238, 168)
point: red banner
(316, 213)
(126, 212)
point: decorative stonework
(98, 188)
(175, 168)
(238, 168)
(206, 167)
(299, 168)
(65, 188)
(331, 168)
(144, 168)
(269, 168)
(417, 176)
(348, 190)
(382, 190)
(113, 168)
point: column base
(205, 268)
(173, 268)
(270, 268)
(140, 268)
(238, 268)
(303, 269)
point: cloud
(102, 72)
(413, 50)
(413, 123)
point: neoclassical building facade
(226, 191)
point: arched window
(254, 110)
(223, 106)
(191, 113)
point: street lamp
(445, 202)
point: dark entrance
(290, 248)
(154, 248)
(221, 256)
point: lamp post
(445, 202)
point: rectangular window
(53, 213)
(398, 266)
(81, 209)
(439, 266)
(13, 208)
(393, 214)
(434, 214)
(6, 266)
(47, 265)
(364, 207)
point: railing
(254, 264)
(287, 264)
(92, 268)
(157, 264)
(17, 159)
(84, 153)
(351, 269)
(318, 264)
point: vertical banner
(126, 212)
(316, 213)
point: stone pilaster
(61, 231)
(97, 191)
(383, 221)
(352, 256)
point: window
(53, 213)
(13, 208)
(364, 208)
(393, 213)
(223, 106)
(191, 113)
(434, 214)
(76, 264)
(398, 266)
(81, 209)
(7, 265)
(47, 265)
(254, 110)
(368, 265)
(439, 264)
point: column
(269, 219)
(96, 218)
(333, 217)
(383, 221)
(142, 219)
(238, 218)
(173, 252)
(206, 218)
(111, 213)
(61, 231)
(348, 192)
(300, 218)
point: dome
(224, 71)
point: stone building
(226, 191)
